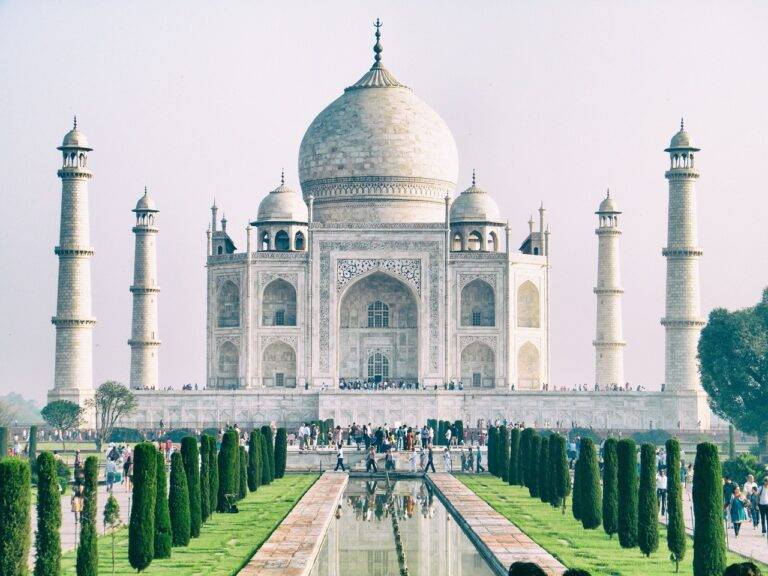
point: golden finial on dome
(377, 49)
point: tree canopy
(111, 401)
(63, 415)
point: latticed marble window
(378, 315)
(280, 318)
(378, 366)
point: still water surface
(362, 539)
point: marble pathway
(505, 541)
(294, 545)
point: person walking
(463, 461)
(754, 507)
(430, 461)
(738, 510)
(447, 464)
(127, 469)
(340, 459)
(762, 504)
(370, 460)
(479, 461)
(111, 471)
(661, 491)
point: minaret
(144, 340)
(682, 321)
(609, 343)
(74, 321)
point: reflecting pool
(392, 529)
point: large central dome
(378, 153)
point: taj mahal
(385, 290)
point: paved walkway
(490, 530)
(293, 547)
(750, 543)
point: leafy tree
(709, 537)
(544, 473)
(647, 504)
(742, 466)
(205, 479)
(111, 401)
(229, 473)
(178, 502)
(743, 569)
(493, 440)
(610, 488)
(6, 413)
(265, 479)
(63, 415)
(141, 529)
(32, 446)
(525, 455)
(242, 485)
(734, 370)
(191, 458)
(213, 469)
(48, 536)
(513, 475)
(254, 460)
(591, 493)
(281, 452)
(560, 471)
(676, 537)
(15, 529)
(533, 466)
(88, 550)
(578, 477)
(731, 442)
(503, 457)
(112, 522)
(626, 453)
(266, 434)
(162, 511)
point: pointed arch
(278, 304)
(528, 367)
(478, 366)
(528, 306)
(299, 241)
(458, 242)
(228, 305)
(279, 365)
(282, 241)
(478, 304)
(228, 366)
(475, 241)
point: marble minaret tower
(74, 320)
(609, 343)
(682, 321)
(144, 340)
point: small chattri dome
(681, 140)
(608, 205)
(75, 139)
(145, 203)
(283, 204)
(475, 205)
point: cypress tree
(610, 488)
(229, 470)
(87, 550)
(242, 485)
(213, 469)
(3, 442)
(32, 450)
(264, 460)
(15, 498)
(141, 530)
(178, 502)
(493, 439)
(647, 505)
(561, 472)
(281, 452)
(266, 434)
(591, 494)
(709, 536)
(533, 466)
(191, 457)
(676, 538)
(578, 477)
(254, 461)
(525, 455)
(513, 476)
(626, 456)
(551, 473)
(162, 512)
(504, 453)
(544, 475)
(47, 536)
(205, 479)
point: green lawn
(569, 542)
(226, 542)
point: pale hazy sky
(549, 101)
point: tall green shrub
(242, 485)
(254, 461)
(47, 536)
(265, 479)
(3, 442)
(15, 529)
(191, 457)
(525, 455)
(709, 536)
(229, 472)
(578, 480)
(213, 469)
(647, 504)
(493, 440)
(513, 476)
(533, 466)
(87, 550)
(591, 493)
(281, 452)
(162, 512)
(205, 479)
(141, 530)
(504, 453)
(550, 470)
(266, 434)
(544, 470)
(178, 502)
(32, 445)
(676, 537)
(610, 488)
(626, 453)
(458, 426)
(561, 472)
